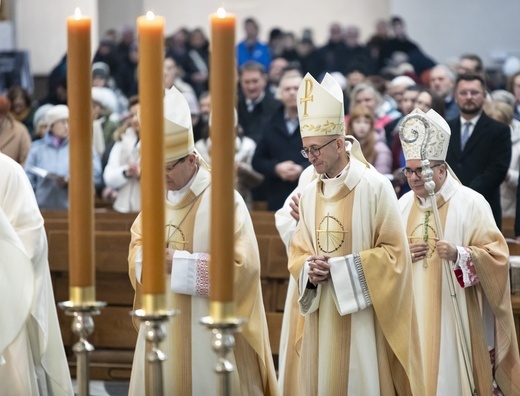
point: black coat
(275, 146)
(251, 122)
(485, 160)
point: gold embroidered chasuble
(485, 308)
(359, 339)
(189, 368)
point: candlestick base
(223, 343)
(155, 334)
(82, 326)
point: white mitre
(430, 130)
(320, 107)
(178, 131)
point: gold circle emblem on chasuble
(424, 233)
(330, 234)
(175, 238)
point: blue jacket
(55, 160)
(259, 53)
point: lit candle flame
(221, 13)
(77, 13)
(150, 16)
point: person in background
(513, 86)
(40, 122)
(47, 164)
(197, 65)
(278, 154)
(442, 83)
(22, 108)
(115, 100)
(469, 242)
(365, 94)
(255, 103)
(276, 70)
(246, 177)
(103, 126)
(361, 126)
(122, 172)
(201, 127)
(188, 368)
(127, 74)
(32, 357)
(172, 78)
(251, 48)
(480, 147)
(502, 112)
(15, 140)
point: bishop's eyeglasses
(408, 172)
(315, 151)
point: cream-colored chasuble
(485, 308)
(445, 370)
(348, 340)
(190, 364)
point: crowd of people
(389, 75)
(338, 140)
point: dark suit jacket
(275, 146)
(485, 160)
(252, 121)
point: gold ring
(413, 255)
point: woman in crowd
(361, 126)
(122, 173)
(22, 108)
(47, 164)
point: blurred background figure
(503, 112)
(47, 164)
(246, 177)
(361, 126)
(251, 48)
(197, 64)
(201, 128)
(15, 140)
(103, 126)
(40, 121)
(22, 108)
(172, 77)
(122, 173)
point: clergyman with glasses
(188, 369)
(354, 277)
(477, 254)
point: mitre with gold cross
(320, 107)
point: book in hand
(43, 173)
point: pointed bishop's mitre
(178, 131)
(320, 107)
(428, 130)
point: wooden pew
(114, 336)
(274, 274)
(508, 227)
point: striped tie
(465, 135)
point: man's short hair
(471, 76)
(474, 58)
(252, 66)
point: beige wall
(41, 28)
